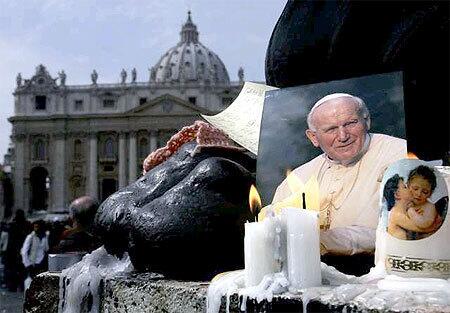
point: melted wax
(79, 284)
(373, 291)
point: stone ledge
(43, 294)
(149, 292)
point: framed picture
(413, 229)
(283, 144)
(414, 200)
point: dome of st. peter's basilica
(189, 61)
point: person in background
(34, 250)
(3, 237)
(3, 246)
(18, 229)
(79, 238)
(349, 172)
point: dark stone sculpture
(185, 217)
(317, 41)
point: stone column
(153, 140)
(2, 207)
(59, 172)
(122, 160)
(27, 192)
(92, 177)
(132, 157)
(27, 152)
(19, 173)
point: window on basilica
(109, 148)
(78, 105)
(108, 168)
(192, 100)
(77, 149)
(40, 102)
(143, 148)
(39, 150)
(142, 101)
(109, 103)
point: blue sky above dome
(79, 36)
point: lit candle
(303, 247)
(260, 247)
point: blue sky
(79, 36)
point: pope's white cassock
(349, 195)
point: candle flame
(297, 188)
(254, 200)
(412, 156)
(310, 189)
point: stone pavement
(10, 302)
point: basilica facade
(72, 140)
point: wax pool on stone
(303, 247)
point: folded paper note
(241, 121)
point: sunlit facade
(71, 140)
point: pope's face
(340, 132)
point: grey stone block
(43, 294)
(150, 292)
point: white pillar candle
(303, 247)
(260, 250)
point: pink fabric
(203, 133)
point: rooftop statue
(123, 76)
(241, 75)
(133, 75)
(62, 78)
(94, 77)
(152, 74)
(19, 80)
